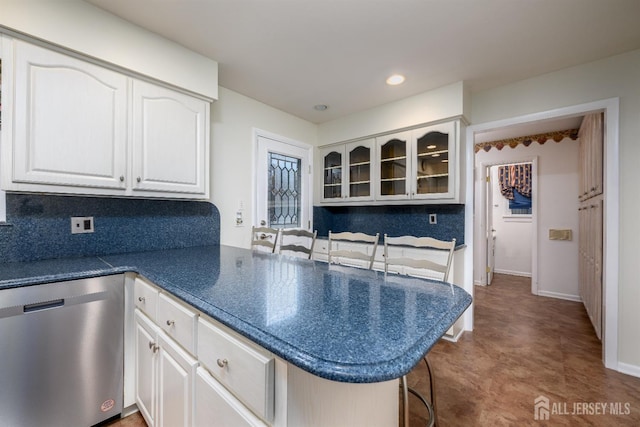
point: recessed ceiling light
(395, 79)
(320, 107)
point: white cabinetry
(418, 164)
(216, 407)
(348, 171)
(245, 370)
(170, 134)
(164, 377)
(70, 120)
(413, 166)
(82, 128)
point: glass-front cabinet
(433, 174)
(414, 165)
(347, 171)
(394, 162)
(332, 160)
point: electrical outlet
(433, 219)
(81, 224)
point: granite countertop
(340, 323)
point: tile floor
(523, 347)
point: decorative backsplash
(39, 226)
(395, 220)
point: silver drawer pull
(170, 323)
(153, 346)
(222, 363)
(141, 299)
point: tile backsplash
(39, 226)
(395, 220)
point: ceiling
(294, 54)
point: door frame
(279, 139)
(483, 199)
(611, 109)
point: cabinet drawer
(145, 297)
(216, 407)
(178, 322)
(243, 369)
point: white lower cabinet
(230, 383)
(216, 407)
(164, 377)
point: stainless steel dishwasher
(61, 353)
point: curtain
(515, 177)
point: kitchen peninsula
(340, 337)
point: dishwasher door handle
(28, 308)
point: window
(515, 182)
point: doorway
(511, 231)
(610, 107)
(283, 188)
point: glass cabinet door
(332, 184)
(394, 167)
(433, 149)
(359, 156)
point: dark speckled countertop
(340, 323)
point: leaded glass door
(283, 184)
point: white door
(283, 183)
(490, 231)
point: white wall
(557, 208)
(513, 242)
(617, 76)
(233, 120)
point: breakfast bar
(338, 328)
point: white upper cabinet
(394, 163)
(169, 139)
(432, 162)
(348, 171)
(70, 121)
(81, 128)
(413, 166)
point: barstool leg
(432, 389)
(405, 400)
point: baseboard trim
(512, 273)
(558, 295)
(629, 369)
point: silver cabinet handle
(121, 178)
(222, 362)
(153, 346)
(170, 323)
(138, 179)
(141, 299)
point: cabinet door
(393, 155)
(176, 373)
(69, 121)
(433, 161)
(333, 166)
(146, 356)
(216, 407)
(170, 140)
(359, 156)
